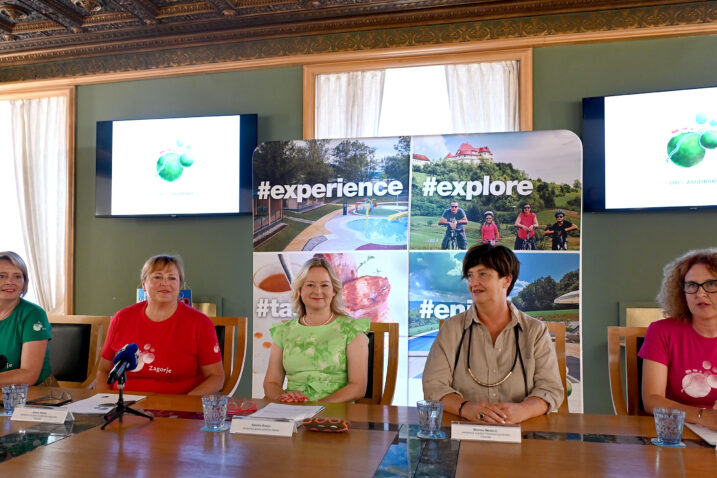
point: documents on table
(710, 436)
(282, 411)
(101, 403)
(498, 433)
(275, 419)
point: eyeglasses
(526, 207)
(54, 399)
(560, 217)
(244, 407)
(454, 207)
(709, 286)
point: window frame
(69, 93)
(425, 58)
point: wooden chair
(377, 391)
(558, 328)
(629, 338)
(75, 348)
(231, 332)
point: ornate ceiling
(33, 31)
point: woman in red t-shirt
(526, 222)
(178, 347)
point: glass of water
(669, 423)
(430, 416)
(13, 396)
(215, 412)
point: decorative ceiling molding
(14, 12)
(149, 41)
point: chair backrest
(558, 328)
(231, 332)
(378, 391)
(630, 338)
(75, 348)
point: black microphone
(3, 361)
(126, 359)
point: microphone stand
(121, 408)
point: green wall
(217, 250)
(623, 253)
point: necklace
(306, 323)
(518, 355)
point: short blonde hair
(162, 261)
(15, 259)
(671, 296)
(337, 303)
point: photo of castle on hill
(522, 190)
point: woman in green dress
(323, 352)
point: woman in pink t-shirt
(680, 353)
(489, 230)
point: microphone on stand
(126, 359)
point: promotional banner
(346, 201)
(394, 215)
(547, 289)
(497, 174)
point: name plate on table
(258, 426)
(472, 431)
(57, 415)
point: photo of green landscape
(483, 172)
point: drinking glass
(215, 412)
(668, 423)
(430, 416)
(13, 396)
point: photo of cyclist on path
(489, 233)
(454, 218)
(526, 222)
(560, 230)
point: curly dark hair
(671, 296)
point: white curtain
(348, 105)
(483, 97)
(38, 152)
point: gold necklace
(306, 323)
(515, 360)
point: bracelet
(460, 409)
(699, 414)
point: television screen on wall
(650, 150)
(175, 166)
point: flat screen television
(175, 166)
(650, 151)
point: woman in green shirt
(323, 352)
(24, 329)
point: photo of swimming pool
(380, 231)
(422, 343)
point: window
(36, 171)
(432, 94)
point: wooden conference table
(380, 443)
